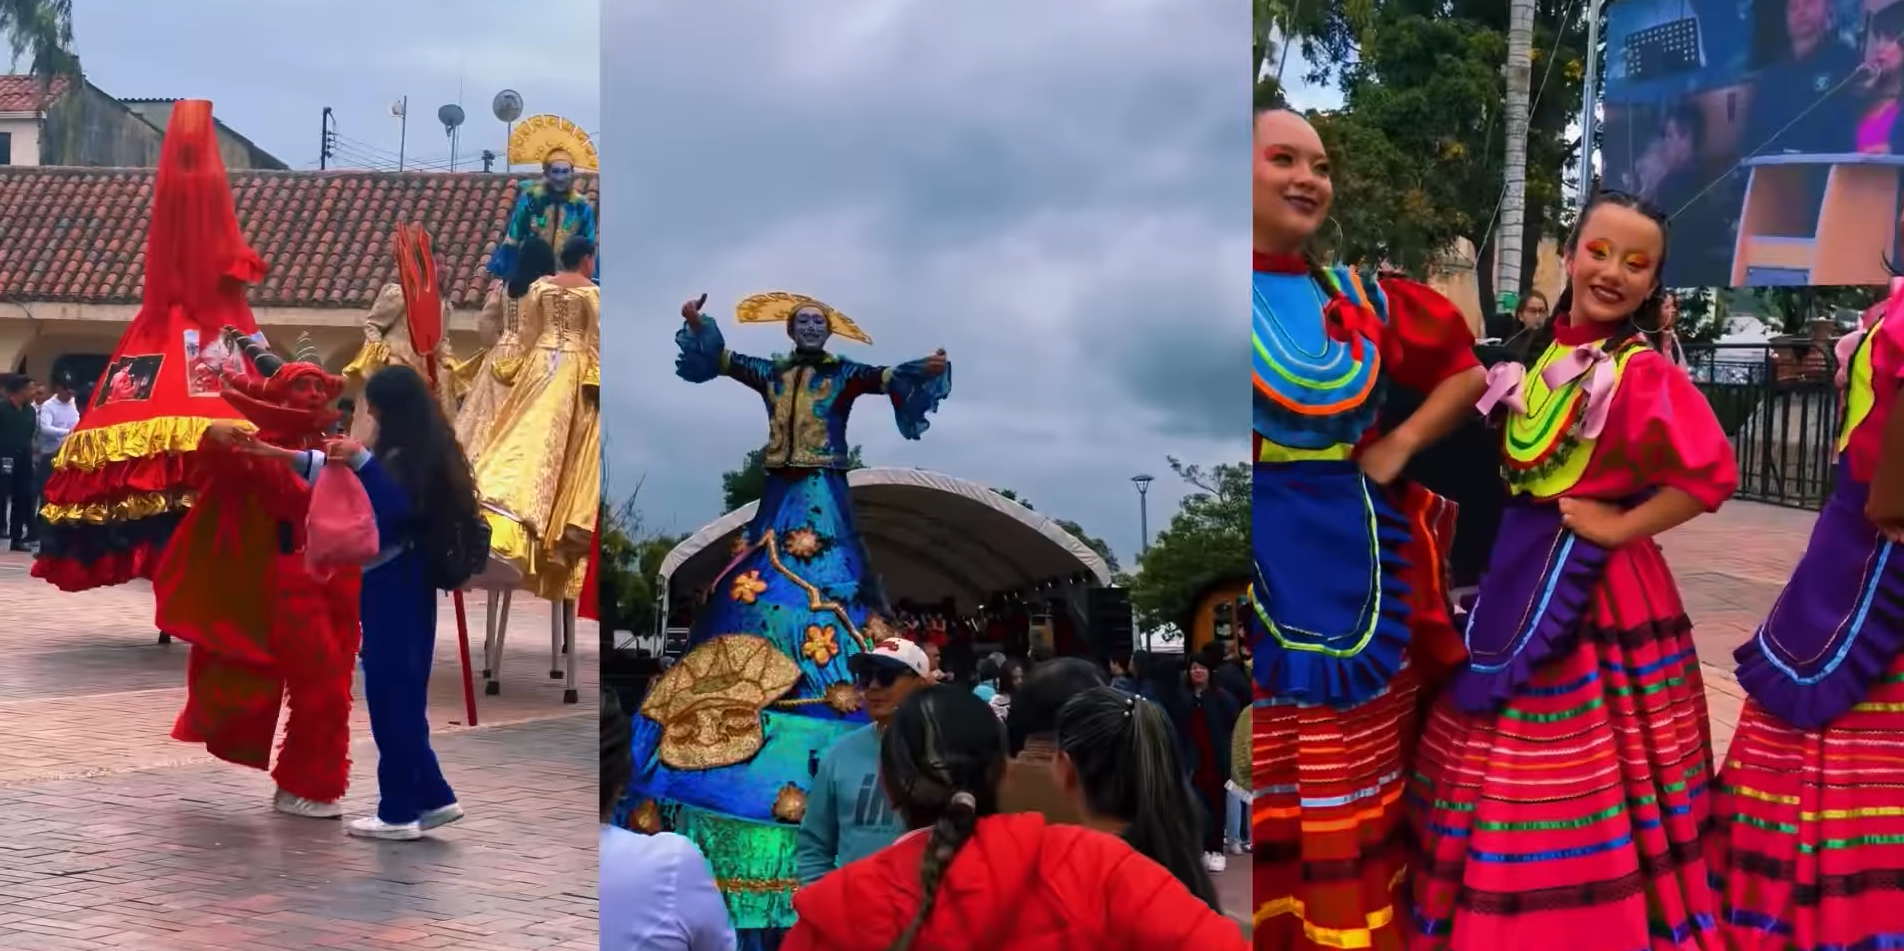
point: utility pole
(328, 142)
(1520, 73)
(402, 110)
(1589, 96)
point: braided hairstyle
(941, 759)
(618, 752)
(1645, 317)
(1125, 753)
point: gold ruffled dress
(486, 378)
(539, 470)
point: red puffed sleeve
(1669, 431)
(1427, 340)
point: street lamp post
(1143, 481)
(1143, 511)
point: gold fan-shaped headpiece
(777, 307)
(538, 137)
(709, 704)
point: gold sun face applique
(709, 703)
(791, 804)
(821, 644)
(748, 587)
(842, 698)
(803, 543)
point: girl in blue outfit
(419, 484)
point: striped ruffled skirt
(1329, 855)
(1571, 820)
(1809, 851)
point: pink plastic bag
(340, 529)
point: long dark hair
(534, 260)
(618, 753)
(417, 446)
(1049, 686)
(1125, 753)
(576, 250)
(940, 761)
(1645, 317)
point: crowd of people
(1085, 811)
(34, 420)
(1548, 778)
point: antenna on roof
(452, 118)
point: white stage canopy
(930, 536)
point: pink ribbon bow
(1505, 387)
(1597, 365)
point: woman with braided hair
(967, 877)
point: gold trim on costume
(90, 449)
(815, 602)
(775, 307)
(538, 137)
(790, 805)
(709, 703)
(756, 885)
(128, 509)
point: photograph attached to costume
(130, 378)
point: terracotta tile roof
(22, 93)
(78, 234)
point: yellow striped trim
(129, 509)
(1347, 938)
(1271, 452)
(91, 449)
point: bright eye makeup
(1639, 262)
(1599, 249)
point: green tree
(748, 481)
(631, 567)
(1790, 309)
(1703, 313)
(40, 34)
(1073, 529)
(1418, 145)
(1206, 542)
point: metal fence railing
(1779, 406)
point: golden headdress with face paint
(777, 307)
(540, 138)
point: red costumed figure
(591, 602)
(121, 482)
(234, 583)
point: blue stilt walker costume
(726, 742)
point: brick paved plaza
(1730, 567)
(112, 835)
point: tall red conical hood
(195, 256)
(122, 480)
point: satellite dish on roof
(507, 105)
(451, 116)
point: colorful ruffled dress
(1349, 609)
(1808, 849)
(1560, 791)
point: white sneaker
(371, 827)
(1232, 847)
(306, 808)
(1214, 862)
(440, 817)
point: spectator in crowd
(1529, 316)
(1123, 672)
(1226, 668)
(1117, 762)
(1204, 714)
(967, 877)
(1237, 813)
(847, 816)
(57, 417)
(1031, 733)
(19, 429)
(657, 891)
(987, 674)
(1011, 676)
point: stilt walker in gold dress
(539, 469)
(387, 343)
(488, 377)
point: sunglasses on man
(869, 676)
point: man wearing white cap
(848, 816)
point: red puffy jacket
(1018, 885)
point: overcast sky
(1056, 196)
(271, 66)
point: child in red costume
(260, 627)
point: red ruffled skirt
(1809, 846)
(1572, 819)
